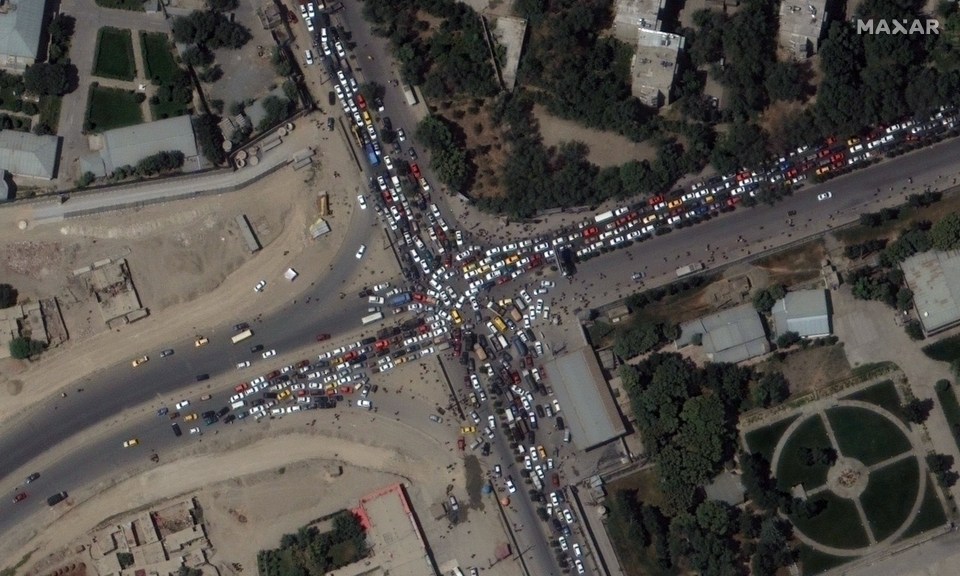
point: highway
(118, 388)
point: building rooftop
(654, 66)
(26, 154)
(21, 22)
(394, 535)
(128, 146)
(733, 335)
(631, 15)
(510, 32)
(801, 24)
(589, 410)
(805, 312)
(934, 278)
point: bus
(372, 318)
(242, 336)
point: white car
(269, 353)
(577, 552)
(362, 202)
(182, 404)
(388, 162)
(511, 487)
(260, 286)
(547, 283)
(372, 132)
(364, 403)
(361, 250)
(825, 196)
(401, 135)
(309, 54)
(195, 430)
(340, 51)
(242, 365)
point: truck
(371, 154)
(409, 94)
(242, 336)
(499, 324)
(515, 314)
(603, 216)
(399, 299)
(689, 269)
(520, 347)
(372, 318)
(478, 350)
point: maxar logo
(904, 26)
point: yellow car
(457, 319)
(200, 341)
(140, 361)
(513, 259)
(131, 443)
(283, 395)
(468, 429)
(675, 204)
(543, 453)
(190, 417)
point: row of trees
(448, 159)
(310, 551)
(209, 29)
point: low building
(733, 335)
(21, 24)
(934, 278)
(631, 16)
(801, 25)
(805, 312)
(510, 32)
(29, 155)
(129, 145)
(654, 66)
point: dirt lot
(606, 148)
(794, 266)
(811, 368)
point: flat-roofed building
(654, 66)
(801, 25)
(129, 145)
(805, 312)
(21, 24)
(630, 16)
(934, 278)
(733, 335)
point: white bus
(372, 318)
(242, 336)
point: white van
(566, 435)
(237, 405)
(309, 54)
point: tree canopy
(209, 29)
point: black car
(31, 477)
(256, 348)
(412, 153)
(387, 124)
(202, 377)
(223, 411)
(56, 498)
(241, 327)
(167, 352)
(560, 424)
(229, 419)
(176, 429)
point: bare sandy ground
(606, 148)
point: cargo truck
(520, 347)
(478, 350)
(409, 94)
(515, 314)
(399, 299)
(371, 154)
(242, 336)
(689, 269)
(603, 216)
(372, 318)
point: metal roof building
(733, 335)
(631, 15)
(589, 410)
(21, 22)
(30, 155)
(934, 278)
(805, 312)
(128, 146)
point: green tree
(914, 330)
(772, 389)
(788, 339)
(8, 295)
(788, 81)
(45, 79)
(945, 234)
(23, 347)
(917, 411)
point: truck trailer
(689, 269)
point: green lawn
(114, 57)
(157, 58)
(9, 100)
(815, 562)
(890, 495)
(866, 436)
(951, 410)
(792, 470)
(134, 5)
(930, 516)
(946, 350)
(837, 525)
(50, 111)
(112, 108)
(883, 394)
(764, 440)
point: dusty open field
(606, 148)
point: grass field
(883, 394)
(112, 108)
(645, 482)
(951, 410)
(930, 516)
(114, 57)
(837, 525)
(868, 437)
(792, 470)
(157, 58)
(764, 440)
(946, 350)
(134, 5)
(816, 562)
(890, 495)
(50, 111)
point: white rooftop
(21, 22)
(26, 154)
(801, 24)
(804, 312)
(654, 66)
(934, 278)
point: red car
(656, 200)
(20, 497)
(361, 103)
(240, 387)
(382, 344)
(419, 297)
(322, 337)
(838, 157)
(416, 171)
